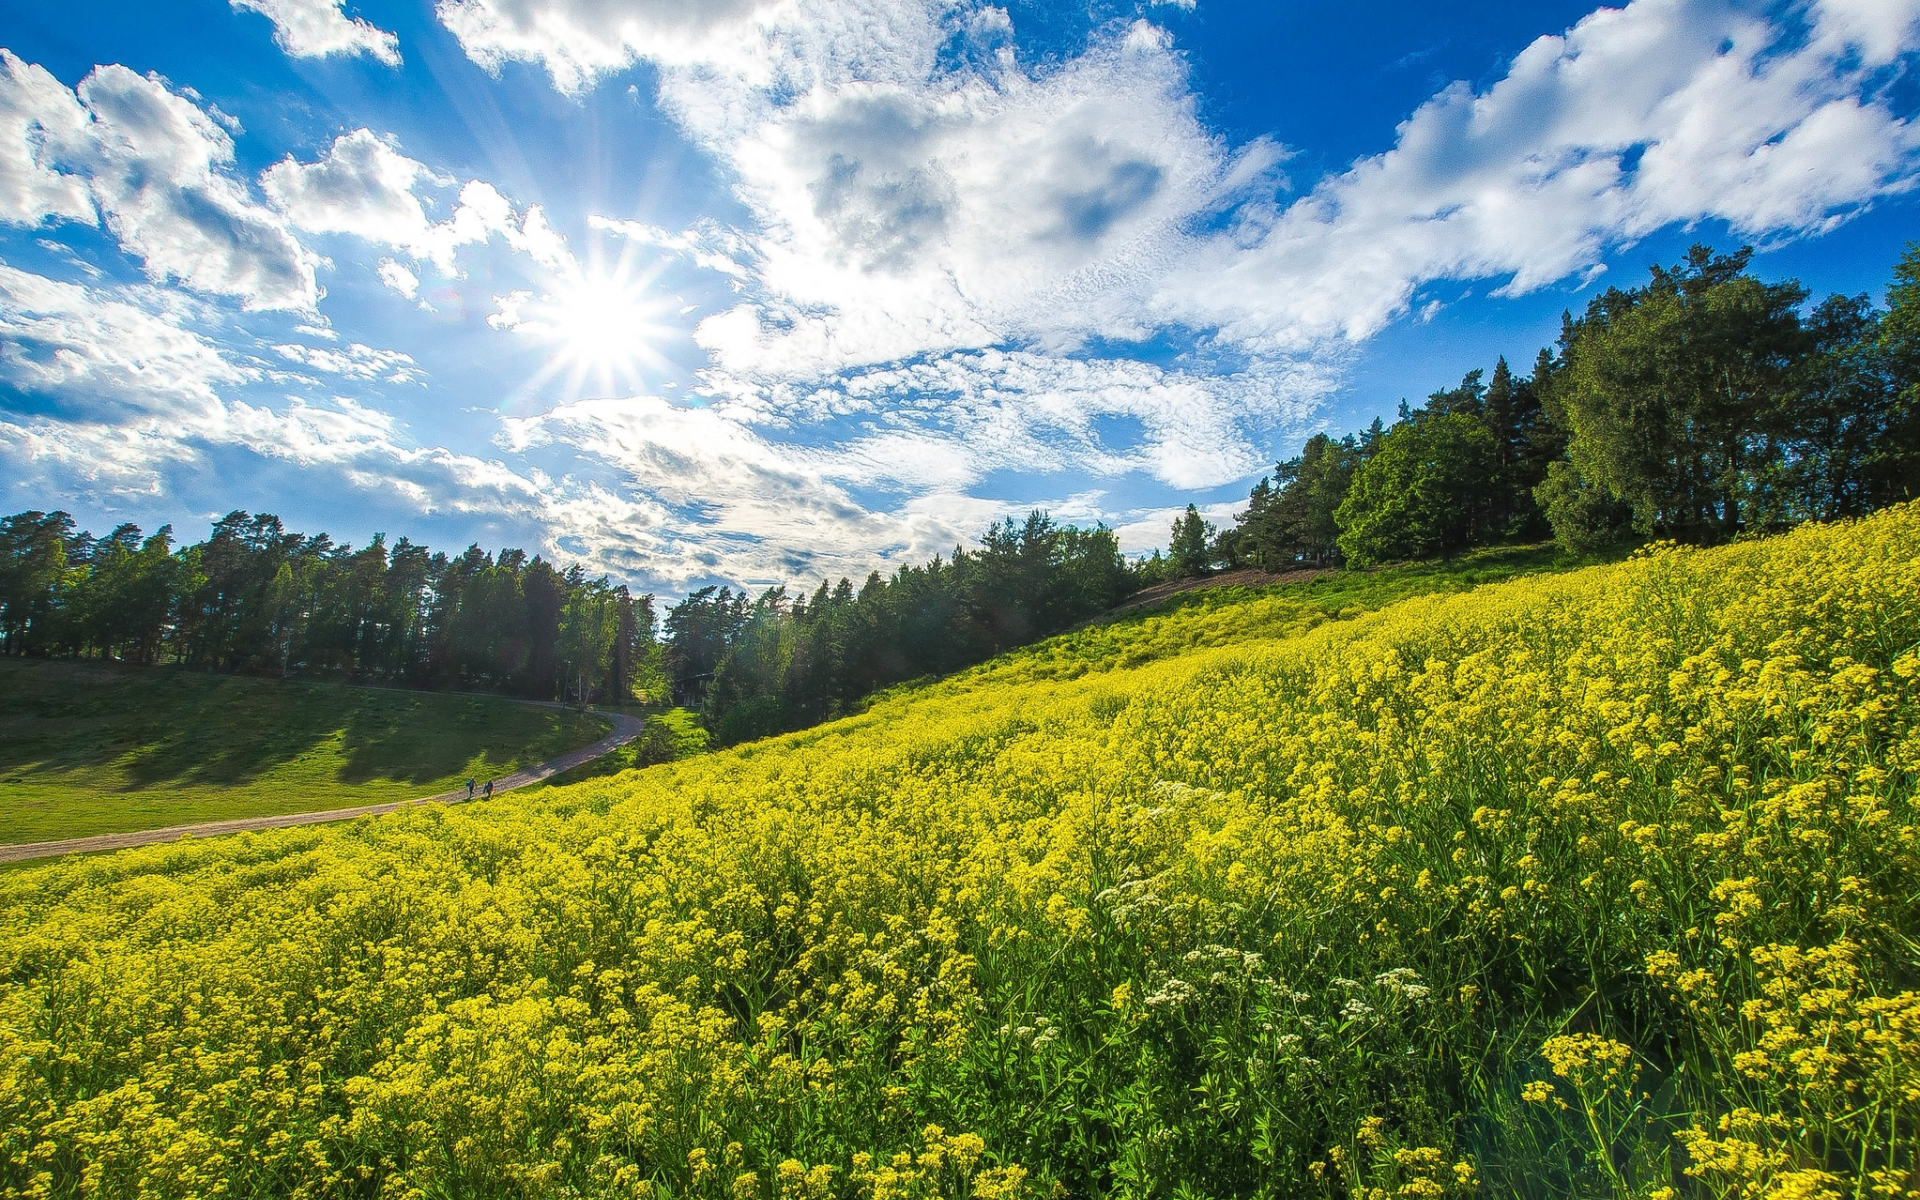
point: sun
(599, 321)
(604, 327)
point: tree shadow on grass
(163, 727)
(434, 737)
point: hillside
(1594, 884)
(90, 748)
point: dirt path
(625, 729)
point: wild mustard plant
(1315, 905)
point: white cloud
(399, 278)
(708, 244)
(51, 456)
(365, 188)
(1881, 30)
(911, 200)
(306, 434)
(38, 113)
(580, 40)
(319, 28)
(1664, 112)
(158, 168)
(138, 398)
(355, 361)
(710, 496)
(1041, 413)
(509, 317)
(725, 489)
(103, 355)
(998, 208)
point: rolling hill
(1597, 884)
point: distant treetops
(256, 598)
(1703, 405)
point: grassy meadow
(87, 748)
(1596, 884)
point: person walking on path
(470, 789)
(489, 789)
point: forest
(1702, 406)
(257, 598)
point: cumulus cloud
(115, 459)
(38, 113)
(916, 191)
(1046, 414)
(992, 209)
(725, 490)
(363, 186)
(159, 169)
(398, 277)
(710, 496)
(134, 396)
(1664, 112)
(319, 28)
(355, 361)
(578, 41)
(103, 355)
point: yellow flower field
(1600, 884)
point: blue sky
(756, 291)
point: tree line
(257, 598)
(1703, 405)
(783, 661)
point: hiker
(489, 789)
(469, 789)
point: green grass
(671, 734)
(87, 748)
(1210, 618)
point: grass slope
(87, 748)
(1604, 884)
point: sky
(759, 292)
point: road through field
(625, 729)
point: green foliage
(1702, 405)
(1584, 518)
(1191, 549)
(670, 737)
(1424, 493)
(33, 560)
(255, 598)
(91, 748)
(1671, 391)
(1295, 520)
(778, 663)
